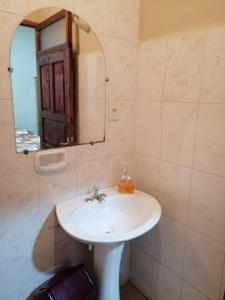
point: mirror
(58, 78)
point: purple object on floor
(74, 283)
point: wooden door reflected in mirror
(58, 81)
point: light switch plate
(114, 110)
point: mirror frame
(106, 80)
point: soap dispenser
(126, 184)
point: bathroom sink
(119, 218)
(107, 226)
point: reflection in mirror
(58, 81)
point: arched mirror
(58, 77)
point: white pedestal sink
(108, 225)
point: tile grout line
(136, 103)
(221, 291)
(180, 102)
(192, 164)
(180, 165)
(166, 59)
(7, 12)
(168, 269)
(73, 163)
(195, 231)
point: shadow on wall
(54, 250)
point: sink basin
(108, 225)
(120, 218)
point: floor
(129, 292)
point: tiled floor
(129, 292)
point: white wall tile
(54, 188)
(8, 24)
(183, 73)
(124, 18)
(49, 256)
(92, 152)
(207, 206)
(120, 133)
(189, 293)
(19, 214)
(213, 89)
(15, 163)
(18, 7)
(20, 207)
(148, 128)
(203, 264)
(151, 69)
(49, 253)
(122, 69)
(174, 189)
(146, 174)
(188, 140)
(165, 285)
(64, 4)
(146, 242)
(92, 173)
(6, 131)
(141, 270)
(73, 153)
(96, 13)
(17, 268)
(210, 143)
(11, 162)
(185, 56)
(169, 240)
(179, 123)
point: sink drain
(109, 230)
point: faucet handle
(94, 189)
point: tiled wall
(180, 159)
(31, 243)
(91, 87)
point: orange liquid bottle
(126, 184)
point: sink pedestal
(107, 258)
(107, 226)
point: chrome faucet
(95, 195)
